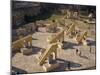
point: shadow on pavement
(15, 71)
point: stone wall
(23, 11)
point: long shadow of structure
(65, 65)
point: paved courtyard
(29, 63)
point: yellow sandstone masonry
(60, 36)
(54, 45)
(53, 48)
(81, 37)
(16, 45)
(71, 29)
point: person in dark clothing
(76, 51)
(68, 65)
(36, 26)
(90, 50)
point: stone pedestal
(84, 42)
(26, 51)
(49, 67)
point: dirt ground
(29, 63)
